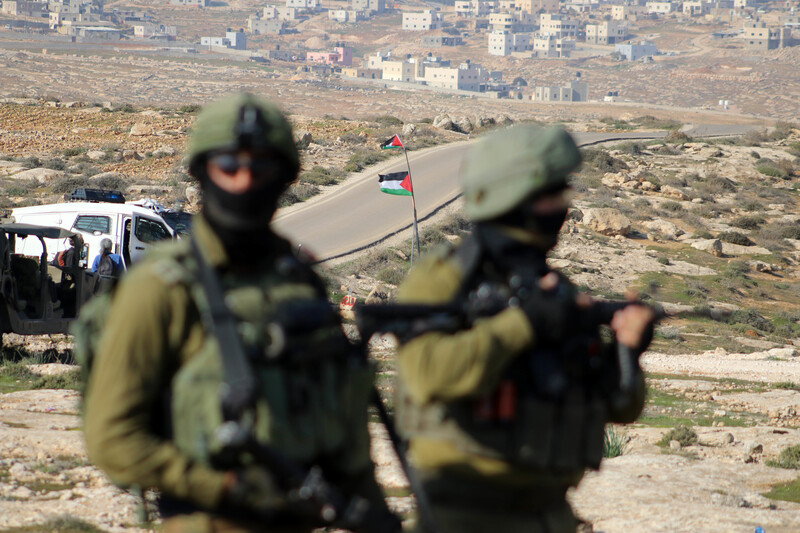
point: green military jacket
(153, 334)
(439, 370)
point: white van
(131, 228)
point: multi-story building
(547, 45)
(758, 36)
(347, 15)
(235, 40)
(437, 41)
(23, 8)
(155, 31)
(369, 6)
(409, 70)
(466, 77)
(57, 19)
(473, 8)
(426, 20)
(263, 26)
(660, 8)
(606, 32)
(537, 6)
(504, 43)
(558, 25)
(306, 5)
(633, 51)
(342, 56)
(576, 91)
(625, 12)
(279, 13)
(695, 8)
(514, 22)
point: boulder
(96, 155)
(409, 129)
(193, 196)
(140, 129)
(606, 221)
(10, 167)
(443, 122)
(712, 246)
(505, 120)
(464, 124)
(672, 192)
(131, 155)
(42, 175)
(649, 186)
(738, 249)
(163, 151)
(303, 138)
(664, 228)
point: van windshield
(180, 221)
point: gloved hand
(362, 517)
(254, 489)
(550, 307)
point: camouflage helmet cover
(216, 129)
(506, 168)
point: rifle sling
(239, 385)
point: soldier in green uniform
(274, 440)
(505, 414)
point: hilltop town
(735, 55)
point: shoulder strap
(239, 385)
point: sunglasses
(230, 163)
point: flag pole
(415, 234)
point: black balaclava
(242, 220)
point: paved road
(358, 215)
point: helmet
(507, 168)
(245, 122)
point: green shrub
(788, 458)
(747, 222)
(681, 433)
(110, 182)
(677, 137)
(771, 171)
(615, 442)
(68, 183)
(387, 120)
(31, 162)
(363, 158)
(752, 318)
(71, 152)
(734, 237)
(601, 161)
(323, 176)
(189, 109)
(672, 207)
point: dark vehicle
(37, 297)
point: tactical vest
(313, 386)
(547, 412)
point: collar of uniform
(209, 243)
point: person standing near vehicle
(223, 377)
(106, 263)
(506, 413)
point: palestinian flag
(394, 142)
(398, 183)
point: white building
(634, 51)
(426, 20)
(606, 32)
(660, 8)
(576, 91)
(409, 70)
(504, 43)
(192, 3)
(473, 8)
(558, 25)
(307, 5)
(550, 46)
(466, 77)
